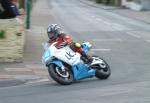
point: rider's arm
(67, 39)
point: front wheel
(64, 77)
(103, 70)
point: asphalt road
(124, 43)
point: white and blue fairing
(65, 54)
(82, 71)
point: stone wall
(12, 46)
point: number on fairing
(69, 55)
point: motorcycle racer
(55, 34)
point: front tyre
(103, 70)
(61, 77)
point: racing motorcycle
(66, 66)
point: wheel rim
(103, 65)
(105, 69)
(64, 74)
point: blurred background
(118, 29)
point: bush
(2, 34)
(109, 2)
(98, 1)
(115, 2)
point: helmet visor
(50, 35)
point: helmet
(53, 31)
(78, 45)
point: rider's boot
(87, 58)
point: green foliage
(98, 1)
(2, 34)
(102, 1)
(109, 2)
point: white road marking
(35, 66)
(18, 69)
(133, 35)
(148, 41)
(38, 81)
(108, 23)
(118, 26)
(101, 49)
(93, 16)
(98, 19)
(110, 40)
(26, 77)
(29, 83)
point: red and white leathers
(63, 38)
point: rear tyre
(61, 77)
(103, 70)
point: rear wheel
(102, 70)
(64, 77)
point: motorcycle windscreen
(47, 55)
